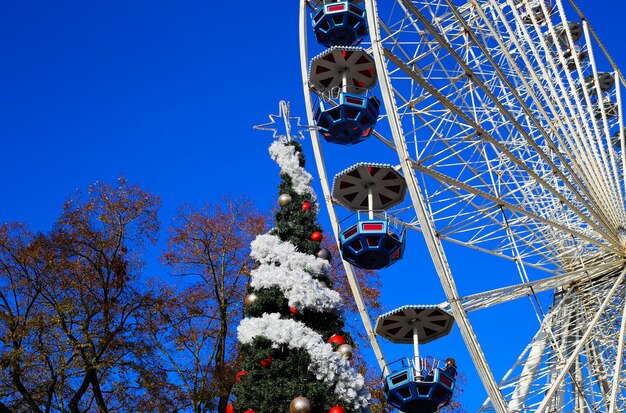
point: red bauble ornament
(316, 236)
(266, 362)
(294, 311)
(249, 411)
(306, 206)
(337, 339)
(239, 375)
(337, 409)
(229, 408)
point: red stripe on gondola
(339, 7)
(350, 232)
(354, 101)
(372, 227)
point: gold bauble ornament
(249, 299)
(284, 199)
(300, 405)
(346, 351)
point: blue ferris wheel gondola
(415, 391)
(420, 384)
(374, 241)
(346, 73)
(349, 122)
(340, 24)
(372, 244)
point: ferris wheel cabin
(530, 10)
(346, 73)
(569, 50)
(420, 384)
(340, 23)
(575, 50)
(616, 139)
(419, 388)
(610, 109)
(374, 241)
(351, 121)
(372, 244)
(604, 80)
(575, 29)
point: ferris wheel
(504, 122)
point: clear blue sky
(166, 94)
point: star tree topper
(287, 128)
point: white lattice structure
(511, 144)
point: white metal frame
(504, 153)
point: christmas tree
(296, 354)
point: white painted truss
(509, 147)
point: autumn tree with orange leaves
(194, 327)
(69, 301)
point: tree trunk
(97, 391)
(73, 405)
(222, 402)
(17, 382)
(220, 357)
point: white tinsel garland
(294, 275)
(287, 158)
(270, 249)
(326, 364)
